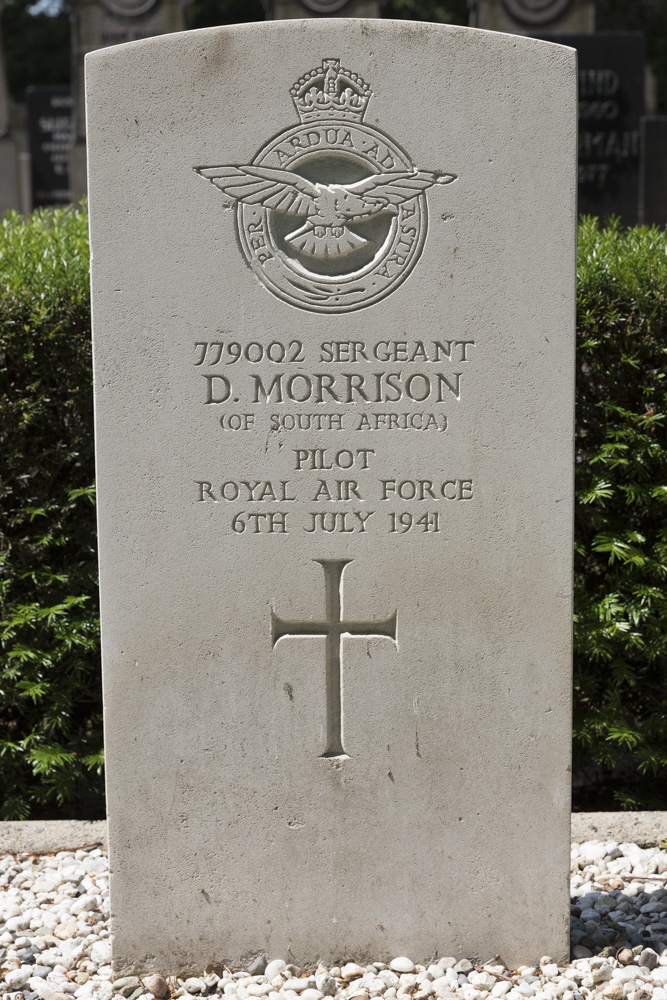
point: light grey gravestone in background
(100, 23)
(333, 293)
(281, 9)
(525, 17)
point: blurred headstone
(97, 24)
(50, 132)
(611, 104)
(289, 9)
(24, 183)
(9, 191)
(653, 177)
(525, 17)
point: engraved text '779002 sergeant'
(331, 213)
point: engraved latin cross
(334, 628)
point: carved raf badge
(331, 213)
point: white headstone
(333, 293)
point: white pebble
(275, 967)
(482, 981)
(17, 979)
(46, 993)
(83, 904)
(101, 952)
(613, 991)
(351, 971)
(401, 964)
(625, 974)
(125, 981)
(194, 985)
(389, 978)
(501, 988)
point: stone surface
(645, 828)
(248, 362)
(51, 835)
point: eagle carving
(328, 208)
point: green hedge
(50, 697)
(50, 700)
(620, 685)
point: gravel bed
(54, 943)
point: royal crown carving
(331, 92)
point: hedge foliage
(620, 686)
(50, 700)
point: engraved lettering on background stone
(332, 213)
(334, 628)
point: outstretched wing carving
(278, 189)
(395, 188)
(328, 207)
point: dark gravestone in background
(611, 102)
(653, 187)
(50, 131)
